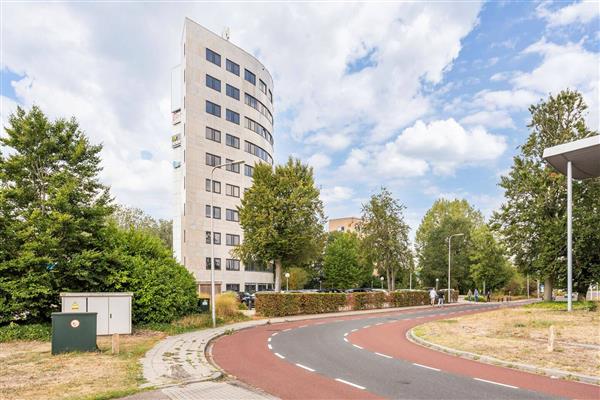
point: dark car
(330, 291)
(359, 290)
(247, 299)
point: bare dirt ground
(30, 372)
(521, 335)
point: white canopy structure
(580, 160)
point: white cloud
(319, 161)
(332, 141)
(442, 146)
(490, 119)
(505, 99)
(336, 194)
(581, 12)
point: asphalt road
(368, 356)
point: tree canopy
(131, 217)
(532, 219)
(282, 217)
(385, 243)
(343, 266)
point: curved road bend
(368, 356)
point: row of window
(230, 215)
(234, 68)
(215, 187)
(258, 128)
(249, 287)
(230, 239)
(258, 106)
(258, 152)
(215, 136)
(213, 160)
(231, 264)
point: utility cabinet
(113, 310)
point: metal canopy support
(569, 236)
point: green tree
(532, 220)
(282, 217)
(130, 217)
(445, 218)
(489, 266)
(385, 236)
(299, 277)
(53, 210)
(343, 267)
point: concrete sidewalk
(178, 366)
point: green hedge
(270, 304)
(281, 304)
(453, 293)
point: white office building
(222, 108)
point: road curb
(410, 335)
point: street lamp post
(449, 262)
(212, 241)
(437, 281)
(287, 281)
(381, 279)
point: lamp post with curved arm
(212, 241)
(449, 258)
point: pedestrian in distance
(432, 296)
(440, 298)
(469, 294)
(476, 294)
(489, 295)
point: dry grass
(227, 305)
(521, 335)
(29, 371)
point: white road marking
(383, 355)
(280, 356)
(345, 334)
(496, 383)
(270, 347)
(350, 383)
(425, 366)
(286, 330)
(269, 339)
(305, 367)
(275, 334)
(302, 326)
(357, 346)
(353, 330)
(346, 340)
(379, 323)
(366, 326)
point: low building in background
(346, 224)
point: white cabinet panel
(74, 304)
(119, 314)
(100, 306)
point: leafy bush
(453, 293)
(226, 304)
(366, 300)
(14, 331)
(281, 304)
(406, 298)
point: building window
(250, 287)
(270, 96)
(263, 286)
(232, 215)
(217, 239)
(217, 263)
(213, 108)
(208, 237)
(258, 152)
(232, 190)
(232, 240)
(213, 134)
(232, 116)
(213, 57)
(216, 186)
(262, 86)
(232, 287)
(232, 167)
(260, 107)
(232, 91)
(232, 265)
(213, 83)
(216, 212)
(250, 77)
(232, 141)
(248, 170)
(258, 266)
(212, 160)
(232, 67)
(258, 128)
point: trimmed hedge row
(271, 304)
(453, 293)
(282, 304)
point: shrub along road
(318, 359)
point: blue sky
(427, 99)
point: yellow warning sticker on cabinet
(74, 306)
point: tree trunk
(392, 285)
(278, 275)
(548, 283)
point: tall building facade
(222, 110)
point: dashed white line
(353, 330)
(379, 323)
(269, 339)
(305, 367)
(383, 355)
(270, 347)
(275, 334)
(357, 346)
(366, 326)
(496, 383)
(350, 383)
(302, 326)
(345, 334)
(287, 330)
(425, 366)
(280, 356)
(346, 340)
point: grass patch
(193, 322)
(562, 306)
(449, 321)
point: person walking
(432, 296)
(489, 295)
(440, 298)
(476, 294)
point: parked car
(359, 290)
(247, 298)
(330, 291)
